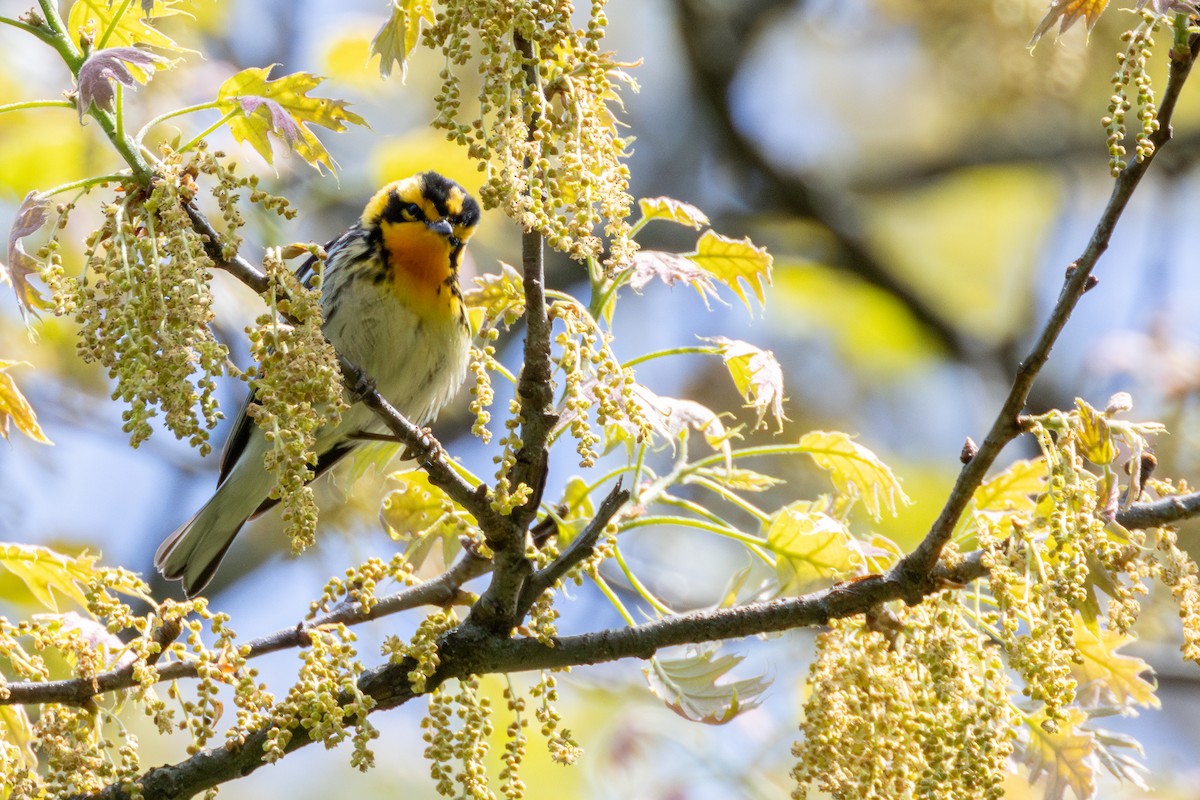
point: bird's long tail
(194, 550)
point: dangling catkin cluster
(550, 147)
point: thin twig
(920, 562)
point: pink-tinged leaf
(689, 685)
(282, 125)
(671, 268)
(757, 375)
(102, 68)
(1067, 13)
(31, 216)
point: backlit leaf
(48, 574)
(1011, 492)
(1113, 675)
(1064, 758)
(856, 471)
(737, 263)
(740, 479)
(1122, 756)
(16, 729)
(757, 375)
(133, 26)
(420, 514)
(672, 210)
(15, 409)
(399, 35)
(809, 546)
(496, 299)
(689, 687)
(671, 268)
(282, 108)
(1067, 13)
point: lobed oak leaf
(1115, 676)
(1065, 757)
(809, 546)
(671, 268)
(497, 298)
(49, 574)
(734, 262)
(15, 409)
(856, 471)
(117, 25)
(398, 36)
(1067, 13)
(689, 686)
(31, 216)
(757, 375)
(104, 67)
(420, 514)
(673, 210)
(282, 107)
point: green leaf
(282, 107)
(1009, 494)
(689, 687)
(49, 574)
(734, 262)
(673, 211)
(757, 375)
(399, 35)
(420, 514)
(15, 409)
(810, 546)
(1064, 758)
(129, 25)
(856, 471)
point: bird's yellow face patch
(423, 223)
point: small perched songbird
(392, 305)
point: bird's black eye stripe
(399, 210)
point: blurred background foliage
(922, 180)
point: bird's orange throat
(421, 267)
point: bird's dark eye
(413, 211)
(454, 241)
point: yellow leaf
(740, 479)
(1005, 495)
(125, 25)
(673, 210)
(420, 514)
(856, 471)
(497, 299)
(1114, 674)
(16, 729)
(399, 35)
(15, 408)
(1069, 11)
(1095, 439)
(809, 546)
(282, 107)
(734, 262)
(757, 375)
(1064, 757)
(48, 574)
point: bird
(392, 305)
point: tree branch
(1079, 279)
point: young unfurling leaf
(283, 108)
(757, 375)
(734, 262)
(31, 216)
(689, 686)
(103, 67)
(111, 24)
(15, 408)
(856, 471)
(398, 36)
(673, 210)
